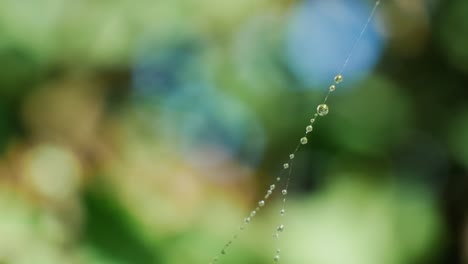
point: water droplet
(286, 165)
(338, 78)
(276, 259)
(278, 251)
(282, 212)
(278, 179)
(303, 140)
(272, 187)
(281, 228)
(284, 192)
(269, 192)
(223, 252)
(309, 128)
(291, 156)
(261, 203)
(275, 235)
(247, 220)
(312, 120)
(332, 88)
(253, 213)
(322, 109)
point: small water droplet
(282, 212)
(278, 251)
(278, 179)
(303, 140)
(281, 228)
(276, 258)
(275, 235)
(322, 109)
(247, 220)
(272, 187)
(312, 120)
(338, 78)
(332, 88)
(291, 156)
(309, 128)
(284, 192)
(261, 203)
(286, 165)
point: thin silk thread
(322, 110)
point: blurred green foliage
(143, 131)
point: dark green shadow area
(5, 130)
(110, 231)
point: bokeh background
(145, 131)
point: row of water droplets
(322, 110)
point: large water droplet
(322, 110)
